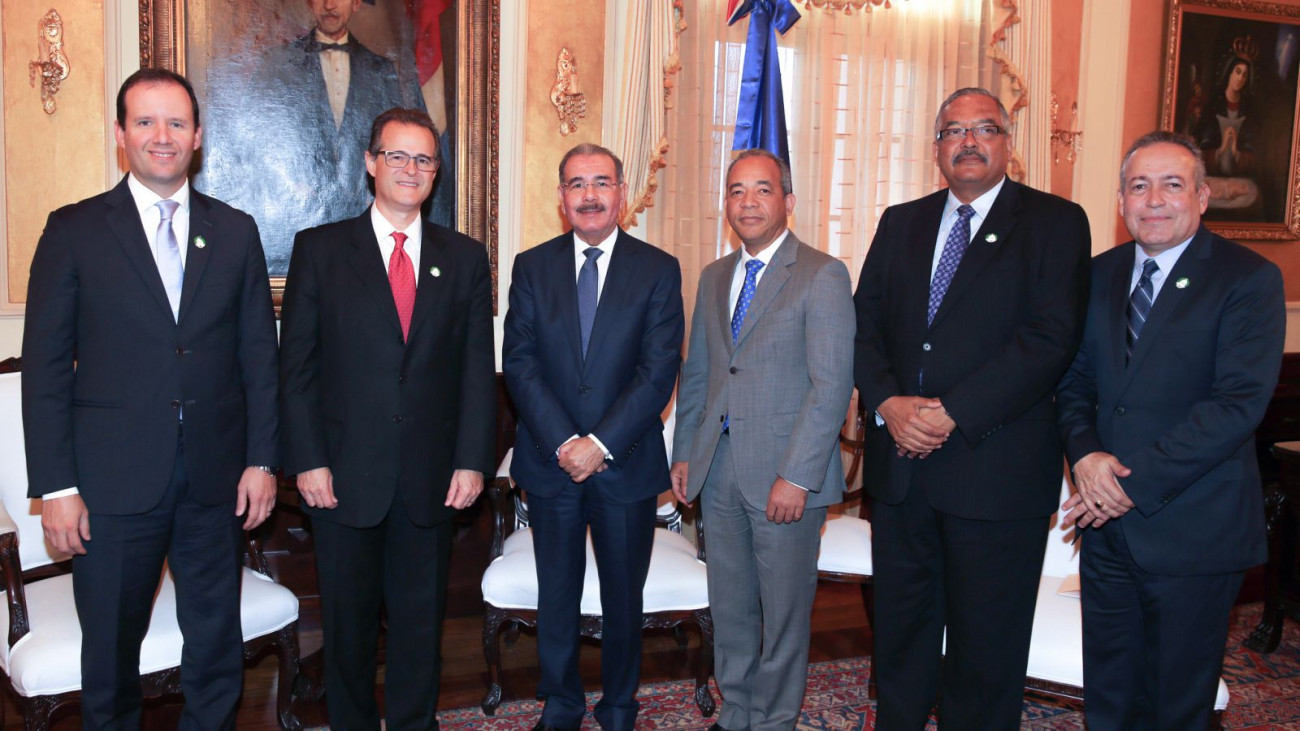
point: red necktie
(401, 277)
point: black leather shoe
(543, 726)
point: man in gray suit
(762, 398)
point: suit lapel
(722, 303)
(991, 236)
(372, 270)
(566, 293)
(1117, 315)
(1192, 265)
(124, 221)
(773, 280)
(196, 258)
(618, 281)
(922, 237)
(429, 289)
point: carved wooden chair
(42, 655)
(845, 554)
(675, 596)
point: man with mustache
(592, 347)
(970, 307)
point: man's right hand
(317, 488)
(678, 475)
(914, 436)
(66, 524)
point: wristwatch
(264, 468)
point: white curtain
(861, 91)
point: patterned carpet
(1265, 692)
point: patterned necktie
(746, 297)
(953, 249)
(168, 254)
(1139, 305)
(588, 281)
(401, 277)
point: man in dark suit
(592, 348)
(764, 391)
(1179, 360)
(149, 392)
(389, 411)
(970, 307)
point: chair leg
(36, 712)
(512, 633)
(492, 621)
(679, 634)
(703, 697)
(286, 647)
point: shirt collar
(322, 38)
(607, 245)
(145, 198)
(383, 227)
(1165, 259)
(982, 204)
(766, 254)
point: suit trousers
(762, 582)
(977, 578)
(399, 567)
(114, 585)
(1152, 645)
(622, 535)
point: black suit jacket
(1003, 335)
(621, 388)
(108, 425)
(1182, 413)
(389, 418)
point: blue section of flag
(760, 114)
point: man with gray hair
(970, 307)
(764, 392)
(593, 343)
(1179, 359)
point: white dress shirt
(738, 275)
(1165, 262)
(384, 230)
(336, 67)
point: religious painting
(289, 88)
(1230, 84)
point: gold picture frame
(1218, 49)
(168, 41)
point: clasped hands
(918, 425)
(317, 488)
(1100, 497)
(581, 458)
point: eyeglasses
(399, 159)
(982, 132)
(600, 186)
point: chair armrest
(19, 625)
(854, 443)
(498, 492)
(256, 556)
(699, 532)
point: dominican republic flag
(760, 114)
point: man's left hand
(785, 502)
(465, 488)
(256, 496)
(581, 458)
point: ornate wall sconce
(846, 6)
(570, 103)
(1071, 139)
(51, 66)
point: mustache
(970, 153)
(591, 208)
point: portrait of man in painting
(290, 90)
(1236, 96)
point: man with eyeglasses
(970, 307)
(592, 347)
(388, 406)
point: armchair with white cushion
(41, 656)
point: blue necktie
(746, 297)
(587, 290)
(742, 308)
(169, 255)
(953, 249)
(1139, 305)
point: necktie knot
(1149, 267)
(592, 252)
(399, 240)
(752, 266)
(965, 212)
(167, 208)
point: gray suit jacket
(785, 383)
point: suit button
(734, 370)
(176, 404)
(401, 379)
(1119, 411)
(180, 350)
(397, 419)
(925, 347)
(584, 389)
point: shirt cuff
(880, 421)
(601, 444)
(801, 487)
(61, 493)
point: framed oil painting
(288, 89)
(1231, 70)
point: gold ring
(1098, 504)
